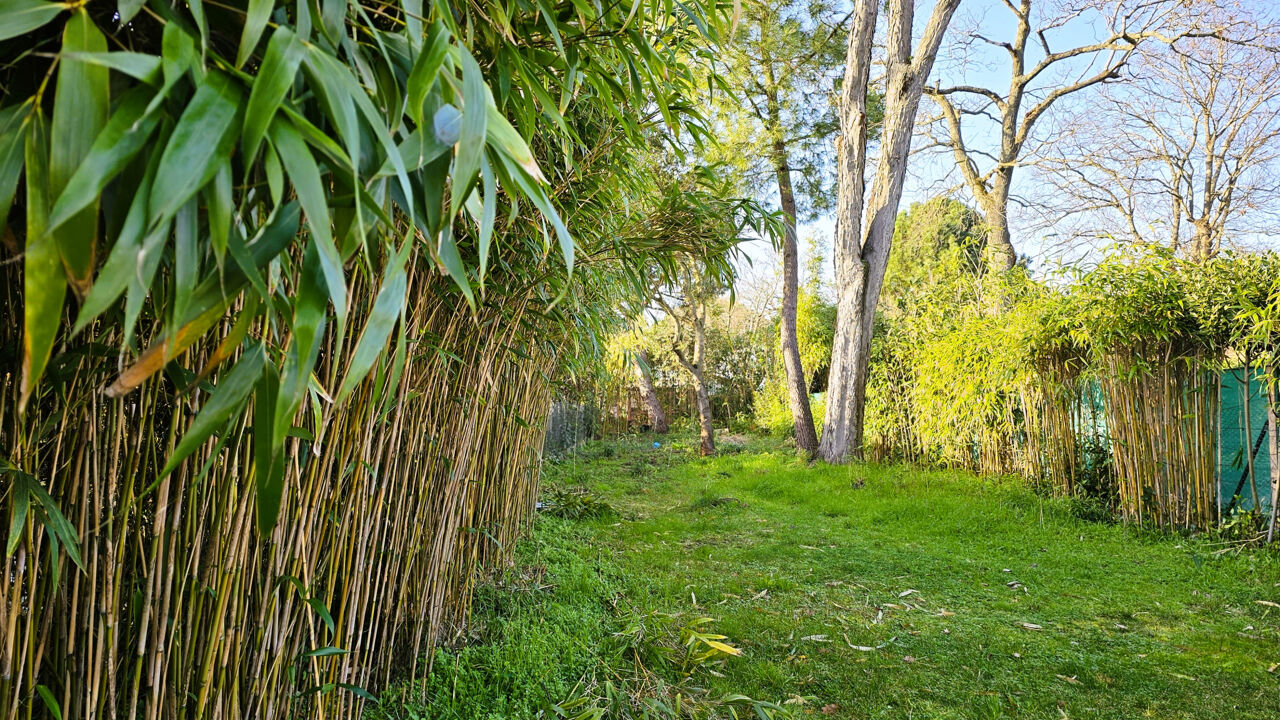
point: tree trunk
(706, 431)
(693, 364)
(861, 258)
(797, 387)
(844, 406)
(644, 378)
(1202, 245)
(1001, 255)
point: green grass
(979, 598)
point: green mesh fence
(568, 426)
(1239, 438)
(1235, 489)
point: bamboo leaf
(232, 340)
(305, 176)
(470, 148)
(255, 22)
(382, 318)
(197, 13)
(50, 702)
(203, 135)
(359, 692)
(509, 140)
(122, 262)
(128, 8)
(304, 348)
(534, 192)
(20, 501)
(413, 20)
(80, 108)
(124, 135)
(44, 283)
(324, 74)
(186, 260)
(275, 77)
(13, 134)
(268, 461)
(140, 66)
(420, 148)
(227, 398)
(149, 254)
(178, 53)
(325, 652)
(19, 17)
(323, 611)
(211, 298)
(397, 366)
(488, 215)
(220, 207)
(58, 525)
(425, 70)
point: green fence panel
(1235, 489)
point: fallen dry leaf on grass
(1071, 679)
(831, 709)
(1030, 626)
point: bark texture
(862, 255)
(693, 364)
(644, 379)
(797, 387)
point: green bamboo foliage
(1010, 386)
(1160, 330)
(183, 605)
(294, 278)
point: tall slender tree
(781, 69)
(862, 252)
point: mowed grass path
(894, 592)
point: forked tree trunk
(862, 257)
(644, 378)
(693, 364)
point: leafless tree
(862, 249)
(991, 131)
(1186, 154)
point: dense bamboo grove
(287, 289)
(1010, 388)
(183, 609)
(1056, 410)
(1163, 425)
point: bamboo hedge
(1008, 385)
(288, 287)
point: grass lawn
(860, 592)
